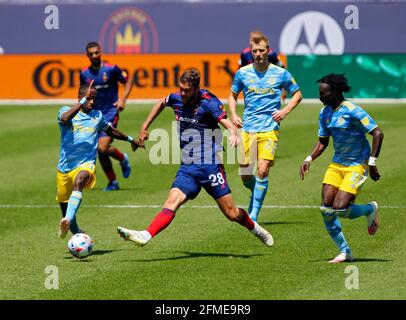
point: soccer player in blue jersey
(80, 127)
(198, 113)
(106, 79)
(247, 58)
(261, 83)
(347, 123)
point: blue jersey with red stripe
(246, 57)
(106, 81)
(199, 133)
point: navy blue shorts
(190, 179)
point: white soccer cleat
(342, 257)
(263, 235)
(373, 219)
(63, 228)
(135, 236)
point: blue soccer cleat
(112, 186)
(125, 166)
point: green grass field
(201, 255)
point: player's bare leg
(247, 168)
(227, 206)
(73, 204)
(162, 220)
(248, 180)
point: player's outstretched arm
(377, 139)
(279, 115)
(120, 104)
(71, 113)
(156, 110)
(318, 149)
(117, 134)
(234, 139)
(232, 106)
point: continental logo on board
(153, 75)
(129, 30)
(52, 77)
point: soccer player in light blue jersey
(347, 123)
(80, 128)
(261, 83)
(107, 78)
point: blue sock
(74, 227)
(250, 184)
(358, 210)
(333, 227)
(73, 205)
(261, 187)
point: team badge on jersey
(340, 120)
(105, 78)
(272, 81)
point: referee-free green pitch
(201, 255)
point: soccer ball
(80, 245)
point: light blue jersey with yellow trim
(79, 138)
(348, 125)
(262, 95)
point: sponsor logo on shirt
(186, 119)
(102, 86)
(82, 129)
(260, 90)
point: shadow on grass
(102, 252)
(355, 261)
(94, 253)
(101, 189)
(192, 255)
(71, 257)
(283, 222)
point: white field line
(146, 206)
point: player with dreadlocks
(348, 124)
